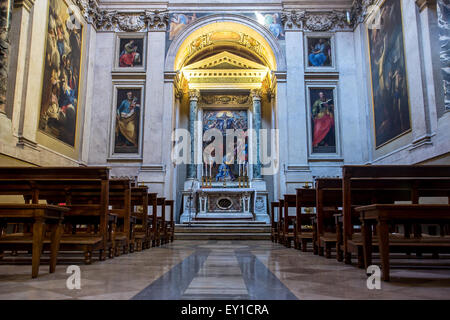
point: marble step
(222, 236)
(230, 222)
(220, 230)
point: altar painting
(224, 121)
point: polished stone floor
(227, 270)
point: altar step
(222, 230)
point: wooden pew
(305, 198)
(139, 205)
(85, 191)
(328, 201)
(161, 223)
(152, 222)
(386, 185)
(287, 222)
(39, 215)
(383, 215)
(171, 222)
(120, 202)
(274, 235)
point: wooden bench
(120, 205)
(303, 229)
(152, 222)
(386, 184)
(171, 222)
(384, 215)
(139, 205)
(274, 235)
(161, 223)
(287, 222)
(38, 215)
(85, 191)
(328, 202)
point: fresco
(388, 71)
(61, 76)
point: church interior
(224, 150)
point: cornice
(116, 21)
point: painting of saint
(127, 125)
(131, 53)
(322, 121)
(388, 72)
(319, 52)
(225, 120)
(61, 76)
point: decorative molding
(24, 142)
(360, 10)
(153, 168)
(422, 4)
(27, 4)
(118, 21)
(225, 99)
(316, 21)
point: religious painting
(131, 52)
(388, 71)
(178, 21)
(443, 13)
(272, 21)
(228, 122)
(127, 123)
(319, 52)
(61, 74)
(323, 123)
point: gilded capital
(256, 94)
(194, 95)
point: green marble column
(193, 101)
(256, 96)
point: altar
(224, 179)
(225, 203)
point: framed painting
(130, 52)
(61, 74)
(391, 107)
(231, 123)
(322, 124)
(126, 121)
(320, 52)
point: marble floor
(226, 270)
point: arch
(276, 61)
